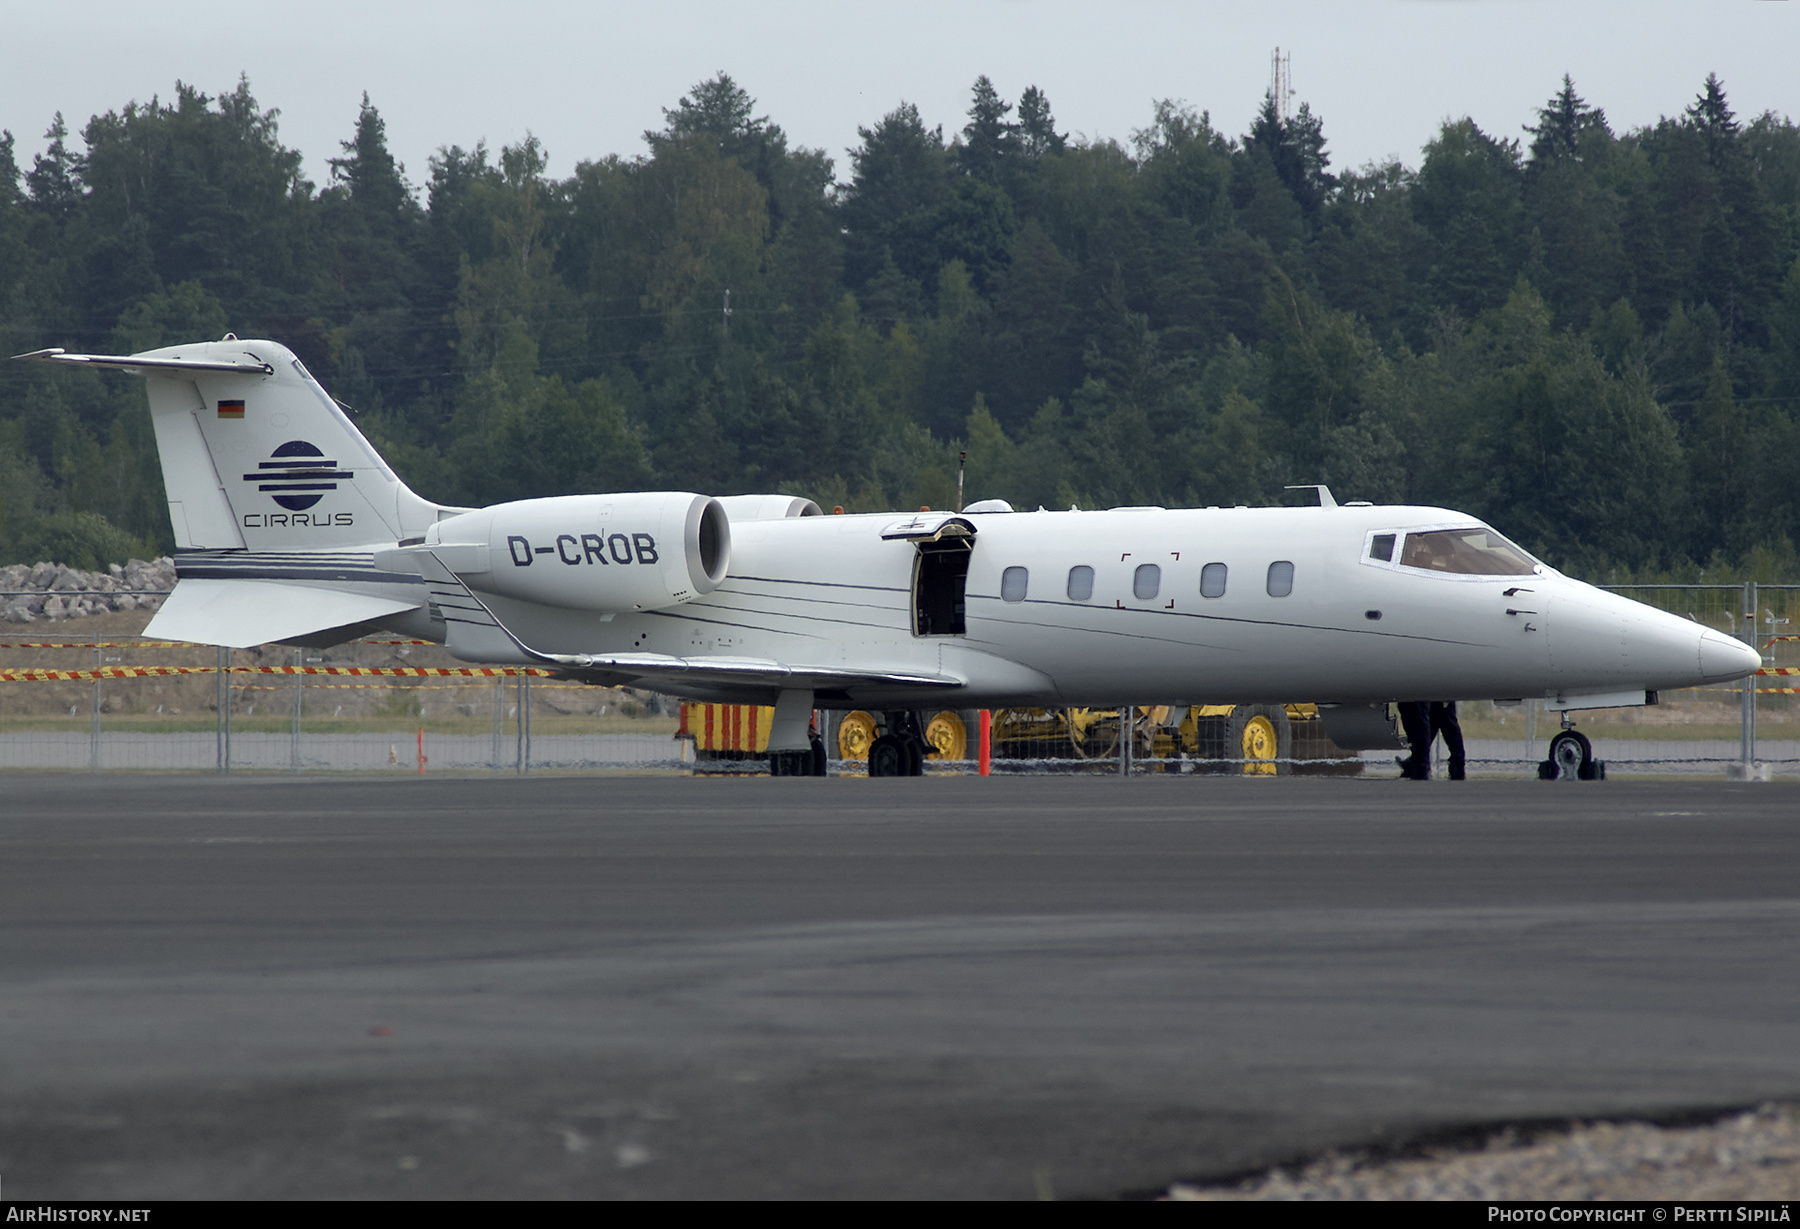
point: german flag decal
(231, 409)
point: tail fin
(255, 454)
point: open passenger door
(940, 572)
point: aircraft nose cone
(1723, 659)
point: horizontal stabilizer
(129, 362)
(242, 613)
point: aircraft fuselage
(830, 591)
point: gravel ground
(1750, 1156)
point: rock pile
(52, 591)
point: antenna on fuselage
(1325, 499)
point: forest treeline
(1589, 338)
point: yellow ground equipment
(726, 731)
(946, 735)
(855, 732)
(1255, 739)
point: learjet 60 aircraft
(291, 528)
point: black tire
(816, 762)
(1547, 770)
(1573, 756)
(888, 757)
(915, 757)
(1277, 719)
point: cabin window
(1012, 584)
(1475, 551)
(1081, 583)
(1281, 578)
(1381, 547)
(1212, 580)
(1146, 581)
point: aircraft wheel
(888, 757)
(946, 737)
(915, 757)
(855, 734)
(1573, 756)
(1261, 732)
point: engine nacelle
(768, 507)
(612, 553)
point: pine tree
(1296, 150)
(899, 175)
(1721, 462)
(1713, 118)
(1562, 125)
(1037, 133)
(54, 179)
(376, 182)
(375, 231)
(720, 111)
(989, 141)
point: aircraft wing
(661, 672)
(475, 632)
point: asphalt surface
(669, 987)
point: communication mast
(1279, 90)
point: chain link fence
(103, 698)
(1748, 730)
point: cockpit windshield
(1473, 551)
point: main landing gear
(1571, 757)
(901, 751)
(808, 763)
(795, 747)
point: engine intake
(768, 507)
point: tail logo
(297, 475)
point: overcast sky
(588, 78)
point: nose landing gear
(1571, 757)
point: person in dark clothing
(1415, 719)
(1423, 722)
(1444, 723)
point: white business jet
(291, 528)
